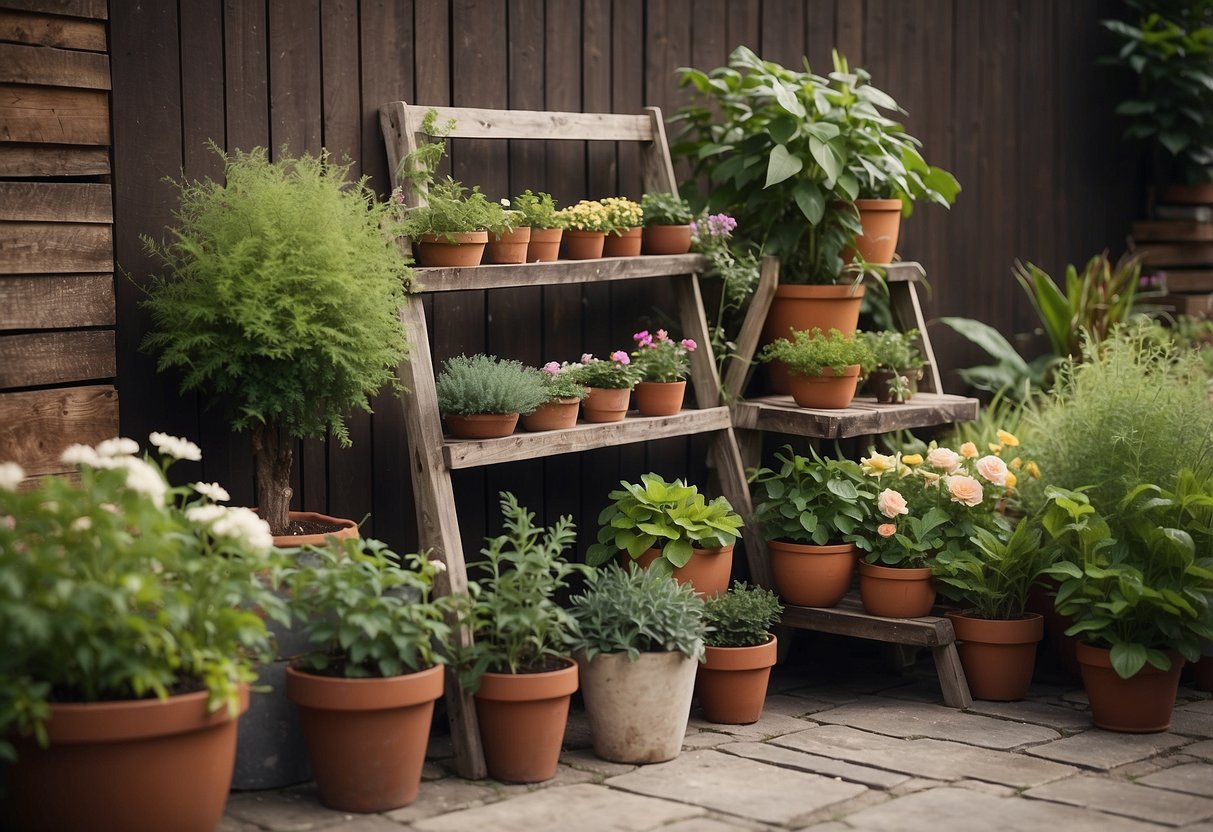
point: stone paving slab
(791, 704)
(584, 808)
(1129, 799)
(441, 796)
(1204, 750)
(920, 719)
(770, 724)
(766, 753)
(295, 810)
(1104, 750)
(1192, 722)
(936, 759)
(1058, 717)
(710, 825)
(737, 786)
(1191, 778)
(1204, 706)
(587, 761)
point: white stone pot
(638, 710)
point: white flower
(143, 478)
(244, 525)
(213, 490)
(11, 474)
(79, 455)
(944, 459)
(118, 446)
(82, 524)
(204, 515)
(993, 469)
(439, 566)
(175, 447)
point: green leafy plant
(517, 624)
(280, 303)
(662, 208)
(120, 586)
(451, 209)
(892, 350)
(1010, 375)
(672, 515)
(814, 500)
(537, 210)
(613, 373)
(560, 382)
(487, 384)
(741, 617)
(660, 358)
(993, 578)
(418, 167)
(809, 353)
(637, 611)
(912, 542)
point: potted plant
(667, 223)
(623, 238)
(288, 338)
(509, 243)
(563, 398)
(669, 527)
(609, 382)
(547, 226)
(739, 654)
(823, 370)
(481, 396)
(452, 228)
(518, 663)
(663, 364)
(814, 513)
(637, 682)
(895, 365)
(366, 692)
(128, 613)
(585, 226)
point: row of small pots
(535, 245)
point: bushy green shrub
(487, 384)
(741, 617)
(638, 611)
(892, 350)
(809, 353)
(538, 210)
(665, 209)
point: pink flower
(886, 529)
(689, 344)
(551, 368)
(891, 503)
(944, 459)
(993, 469)
(621, 357)
(587, 357)
(643, 338)
(662, 335)
(965, 490)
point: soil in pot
(667, 239)
(545, 245)
(606, 404)
(827, 391)
(1141, 704)
(707, 571)
(881, 221)
(891, 592)
(451, 250)
(310, 528)
(998, 656)
(732, 682)
(554, 415)
(806, 307)
(481, 425)
(583, 245)
(625, 243)
(510, 247)
(522, 719)
(811, 576)
(657, 398)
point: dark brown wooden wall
(1005, 94)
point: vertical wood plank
(782, 34)
(246, 74)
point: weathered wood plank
(780, 414)
(48, 247)
(951, 675)
(56, 301)
(56, 202)
(96, 9)
(36, 426)
(34, 160)
(1172, 231)
(52, 30)
(480, 123)
(739, 365)
(1190, 280)
(20, 64)
(54, 115)
(849, 619)
(56, 358)
(558, 272)
(1175, 254)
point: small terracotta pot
(881, 222)
(606, 404)
(811, 576)
(1141, 704)
(555, 415)
(802, 308)
(707, 571)
(522, 719)
(667, 239)
(481, 425)
(732, 682)
(451, 250)
(544, 246)
(625, 243)
(890, 592)
(880, 384)
(583, 245)
(510, 247)
(826, 391)
(660, 398)
(998, 656)
(349, 529)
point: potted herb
(585, 226)
(452, 227)
(823, 370)
(563, 394)
(895, 366)
(667, 223)
(814, 513)
(609, 382)
(623, 238)
(663, 364)
(129, 631)
(739, 654)
(518, 663)
(509, 243)
(547, 226)
(669, 527)
(289, 338)
(481, 396)
(366, 692)
(637, 682)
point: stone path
(860, 750)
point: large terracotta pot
(707, 571)
(366, 737)
(348, 530)
(732, 682)
(891, 592)
(606, 404)
(545, 245)
(826, 391)
(881, 222)
(667, 239)
(481, 425)
(1042, 599)
(998, 656)
(510, 247)
(583, 245)
(625, 243)
(141, 765)
(522, 719)
(554, 415)
(802, 308)
(1141, 704)
(811, 576)
(660, 398)
(638, 711)
(451, 250)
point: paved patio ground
(854, 747)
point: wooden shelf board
(849, 619)
(780, 414)
(1190, 280)
(585, 436)
(1172, 231)
(558, 272)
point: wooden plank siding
(1006, 95)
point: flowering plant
(711, 236)
(623, 213)
(587, 215)
(561, 382)
(660, 358)
(614, 373)
(120, 586)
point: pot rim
(1094, 656)
(460, 238)
(794, 548)
(74, 723)
(752, 657)
(529, 687)
(1028, 629)
(895, 573)
(873, 204)
(828, 291)
(334, 693)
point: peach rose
(993, 469)
(886, 529)
(968, 450)
(891, 503)
(944, 459)
(965, 490)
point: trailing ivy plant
(487, 384)
(741, 617)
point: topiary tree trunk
(272, 467)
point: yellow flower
(878, 464)
(1011, 480)
(1033, 470)
(995, 448)
(912, 459)
(1008, 439)
(1016, 463)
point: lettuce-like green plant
(662, 208)
(741, 617)
(814, 500)
(637, 611)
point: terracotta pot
(881, 222)
(625, 243)
(1202, 673)
(811, 576)
(555, 415)
(366, 737)
(142, 765)
(732, 682)
(349, 529)
(880, 384)
(826, 391)
(583, 245)
(522, 719)
(606, 404)
(998, 656)
(667, 239)
(1041, 599)
(802, 308)
(890, 592)
(481, 425)
(545, 245)
(1200, 194)
(451, 250)
(638, 711)
(660, 398)
(708, 570)
(1141, 704)
(510, 247)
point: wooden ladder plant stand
(432, 456)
